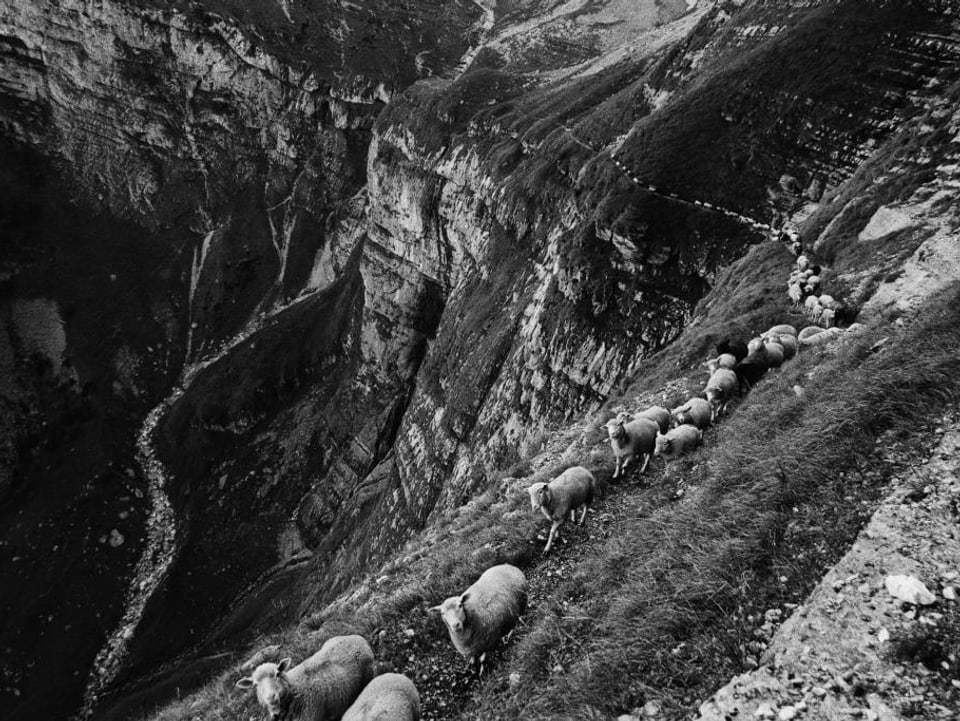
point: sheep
(480, 616)
(812, 307)
(736, 348)
(824, 336)
(719, 391)
(828, 301)
(790, 345)
(775, 353)
(724, 360)
(828, 317)
(320, 687)
(803, 262)
(628, 439)
(680, 440)
(658, 414)
(781, 330)
(813, 284)
(389, 697)
(808, 333)
(572, 489)
(696, 412)
(795, 293)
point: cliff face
(393, 293)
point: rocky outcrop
(854, 648)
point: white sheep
(724, 360)
(695, 411)
(795, 292)
(824, 336)
(572, 489)
(678, 441)
(321, 687)
(658, 414)
(812, 307)
(480, 616)
(719, 391)
(631, 438)
(803, 262)
(389, 697)
(808, 333)
(780, 330)
(828, 317)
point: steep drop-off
(391, 296)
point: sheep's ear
(463, 597)
(245, 682)
(284, 665)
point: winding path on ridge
(652, 188)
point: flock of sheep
(338, 681)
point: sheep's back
(495, 603)
(657, 414)
(641, 434)
(571, 489)
(326, 683)
(389, 697)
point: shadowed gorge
(295, 296)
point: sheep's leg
(616, 471)
(646, 462)
(553, 532)
(573, 515)
(583, 514)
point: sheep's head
(453, 613)
(663, 444)
(535, 492)
(615, 428)
(754, 345)
(273, 687)
(713, 398)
